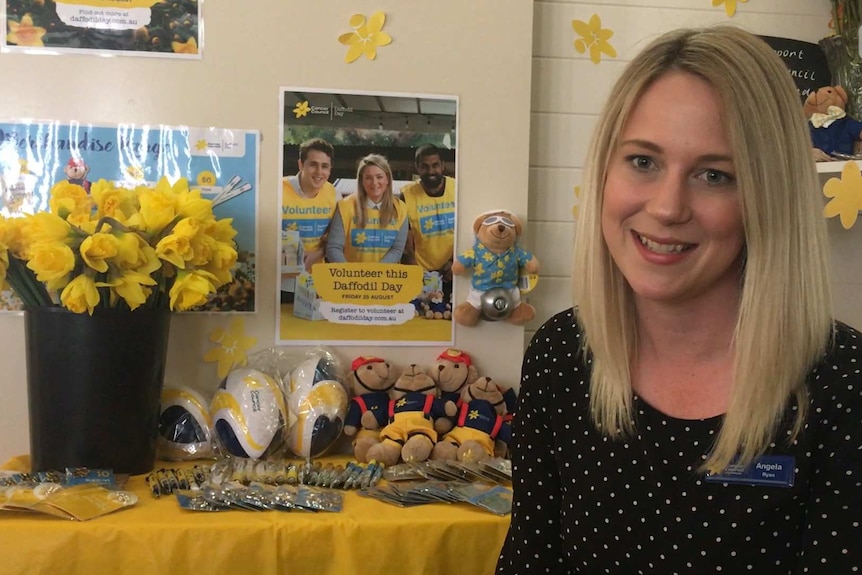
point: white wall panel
(560, 140)
(552, 193)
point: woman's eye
(641, 162)
(717, 178)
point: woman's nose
(669, 201)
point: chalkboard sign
(806, 62)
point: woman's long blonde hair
(388, 211)
(784, 320)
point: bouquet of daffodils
(157, 247)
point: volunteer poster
(221, 163)
(166, 28)
(368, 210)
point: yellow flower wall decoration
(846, 194)
(729, 5)
(594, 37)
(366, 37)
(232, 348)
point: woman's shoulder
(837, 378)
(559, 337)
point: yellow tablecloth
(157, 536)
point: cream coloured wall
(477, 50)
(568, 92)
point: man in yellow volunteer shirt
(307, 204)
(431, 216)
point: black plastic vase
(94, 385)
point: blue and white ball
(249, 414)
(185, 426)
(317, 406)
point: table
(157, 536)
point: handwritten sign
(806, 62)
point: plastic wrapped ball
(317, 406)
(185, 426)
(496, 304)
(249, 414)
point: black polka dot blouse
(587, 504)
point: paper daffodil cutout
(594, 37)
(366, 37)
(23, 33)
(232, 347)
(846, 195)
(729, 5)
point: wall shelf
(829, 168)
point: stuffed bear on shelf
(833, 132)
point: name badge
(769, 470)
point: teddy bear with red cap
(452, 371)
(371, 379)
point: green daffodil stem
(25, 285)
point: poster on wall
(166, 28)
(368, 216)
(221, 163)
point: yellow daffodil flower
(729, 5)
(158, 208)
(224, 257)
(192, 205)
(98, 248)
(366, 37)
(594, 37)
(129, 285)
(80, 295)
(175, 249)
(191, 289)
(45, 227)
(846, 194)
(67, 198)
(24, 33)
(52, 262)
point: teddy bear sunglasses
(491, 220)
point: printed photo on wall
(368, 208)
(166, 28)
(221, 164)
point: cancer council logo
(301, 109)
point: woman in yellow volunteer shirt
(369, 225)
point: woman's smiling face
(671, 213)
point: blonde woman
(698, 411)
(369, 225)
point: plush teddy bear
(832, 130)
(436, 306)
(484, 427)
(410, 435)
(496, 262)
(371, 379)
(453, 371)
